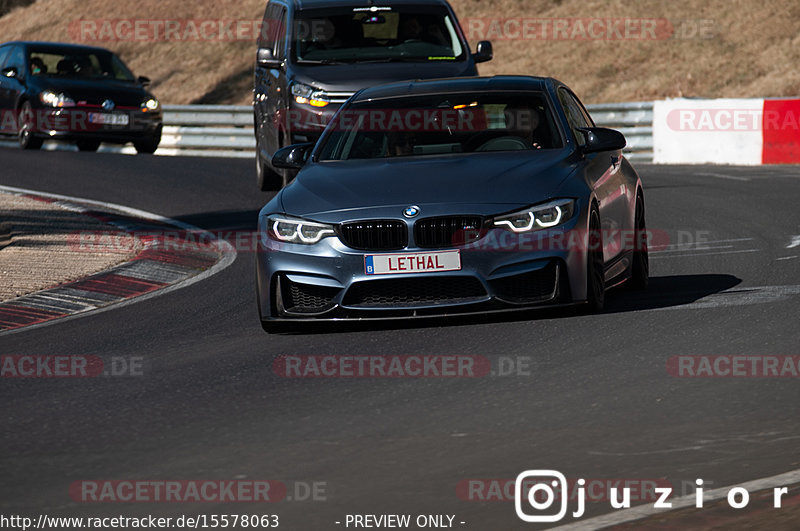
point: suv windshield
(439, 124)
(80, 64)
(377, 34)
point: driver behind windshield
(524, 122)
(412, 30)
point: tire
(595, 266)
(25, 128)
(267, 179)
(640, 264)
(147, 146)
(88, 145)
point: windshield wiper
(392, 60)
(320, 62)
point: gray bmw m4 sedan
(449, 197)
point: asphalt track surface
(597, 402)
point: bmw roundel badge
(411, 211)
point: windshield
(435, 125)
(78, 64)
(347, 35)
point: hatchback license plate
(108, 119)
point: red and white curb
(726, 131)
(156, 270)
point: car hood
(352, 78)
(96, 92)
(480, 183)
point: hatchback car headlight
(309, 95)
(294, 230)
(538, 217)
(150, 105)
(51, 99)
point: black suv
(314, 54)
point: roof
(314, 4)
(59, 46)
(463, 84)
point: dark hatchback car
(337, 47)
(74, 93)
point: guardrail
(210, 130)
(227, 130)
(634, 120)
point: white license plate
(108, 119)
(401, 263)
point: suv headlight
(51, 99)
(295, 230)
(538, 217)
(309, 95)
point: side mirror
(11, 72)
(145, 81)
(484, 52)
(266, 57)
(292, 157)
(603, 139)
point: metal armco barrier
(227, 130)
(211, 130)
(634, 120)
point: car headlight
(150, 105)
(51, 99)
(538, 217)
(291, 230)
(309, 95)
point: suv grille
(450, 231)
(414, 292)
(374, 235)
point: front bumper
(500, 271)
(81, 123)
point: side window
(265, 35)
(273, 30)
(279, 48)
(576, 117)
(3, 52)
(587, 118)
